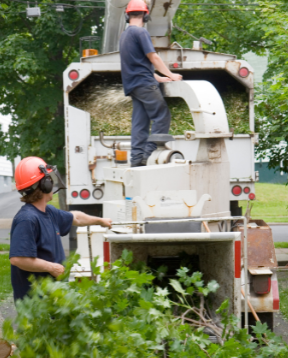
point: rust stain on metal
(190, 208)
(151, 207)
(262, 303)
(179, 59)
(261, 251)
(235, 64)
(166, 6)
(73, 85)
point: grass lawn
(55, 201)
(5, 283)
(270, 204)
(4, 247)
(281, 245)
(283, 292)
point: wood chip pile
(111, 111)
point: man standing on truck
(138, 59)
(36, 246)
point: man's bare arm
(161, 79)
(33, 264)
(161, 67)
(82, 219)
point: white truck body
(79, 141)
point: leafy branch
(125, 315)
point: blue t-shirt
(136, 69)
(35, 233)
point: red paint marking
(275, 293)
(106, 250)
(237, 253)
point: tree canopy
(272, 94)
(34, 52)
(264, 32)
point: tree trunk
(62, 195)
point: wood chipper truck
(186, 199)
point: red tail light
(246, 190)
(85, 194)
(73, 75)
(237, 190)
(252, 196)
(74, 194)
(261, 284)
(243, 72)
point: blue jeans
(148, 105)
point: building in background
(6, 168)
(267, 175)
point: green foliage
(272, 95)
(5, 276)
(35, 52)
(33, 55)
(281, 245)
(124, 315)
(235, 32)
(4, 247)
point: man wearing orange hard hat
(138, 60)
(36, 246)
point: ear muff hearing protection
(46, 183)
(146, 17)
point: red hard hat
(137, 5)
(28, 173)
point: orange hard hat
(137, 5)
(28, 173)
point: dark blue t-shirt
(37, 234)
(136, 69)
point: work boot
(142, 163)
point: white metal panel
(115, 210)
(78, 139)
(96, 241)
(140, 181)
(241, 158)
